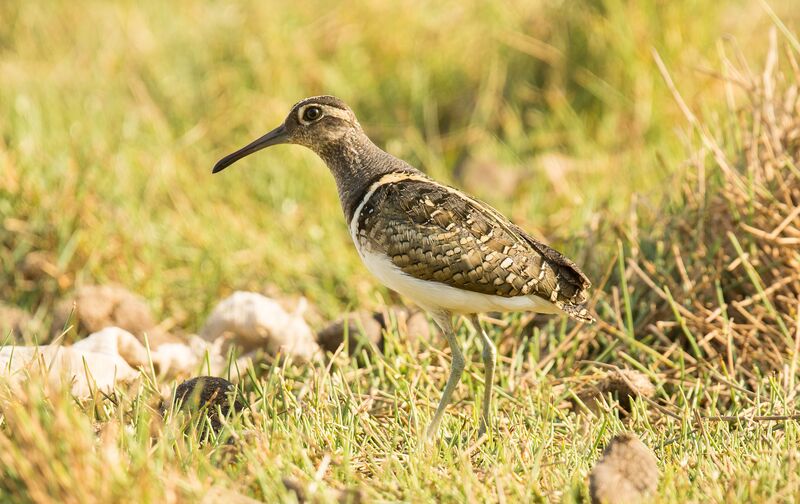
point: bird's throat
(356, 163)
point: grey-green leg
(444, 321)
(489, 355)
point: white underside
(434, 296)
(431, 295)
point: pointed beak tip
(274, 137)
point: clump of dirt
(361, 328)
(93, 308)
(210, 395)
(308, 493)
(218, 493)
(624, 385)
(39, 265)
(17, 325)
(627, 473)
(364, 329)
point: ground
(654, 143)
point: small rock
(99, 306)
(306, 494)
(360, 327)
(157, 337)
(18, 323)
(252, 321)
(217, 494)
(182, 359)
(363, 326)
(624, 384)
(627, 472)
(38, 265)
(627, 384)
(85, 371)
(417, 326)
(169, 360)
(209, 394)
(115, 341)
(412, 324)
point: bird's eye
(312, 114)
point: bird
(448, 252)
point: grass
(113, 114)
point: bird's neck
(356, 163)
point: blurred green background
(112, 114)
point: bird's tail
(577, 311)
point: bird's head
(314, 122)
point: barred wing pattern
(436, 233)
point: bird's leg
(489, 355)
(443, 320)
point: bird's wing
(437, 233)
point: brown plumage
(436, 233)
(448, 252)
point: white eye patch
(326, 111)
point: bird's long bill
(274, 137)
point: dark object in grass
(364, 327)
(361, 328)
(627, 472)
(210, 395)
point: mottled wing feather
(569, 270)
(436, 233)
